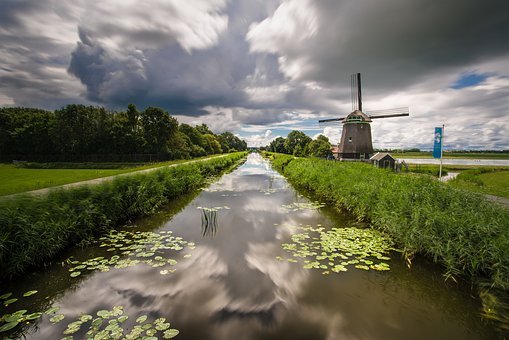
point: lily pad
(141, 319)
(74, 274)
(170, 333)
(8, 326)
(10, 302)
(52, 310)
(30, 293)
(57, 318)
(5, 296)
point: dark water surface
(233, 287)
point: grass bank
(459, 229)
(32, 176)
(491, 181)
(33, 229)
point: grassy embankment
(33, 229)
(459, 229)
(475, 155)
(491, 181)
(33, 176)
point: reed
(457, 228)
(33, 229)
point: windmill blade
(331, 120)
(388, 113)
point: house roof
(381, 155)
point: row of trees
(297, 143)
(78, 132)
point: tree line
(297, 143)
(79, 132)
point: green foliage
(459, 229)
(277, 145)
(296, 143)
(36, 228)
(81, 133)
(320, 147)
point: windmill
(356, 141)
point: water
(457, 161)
(233, 287)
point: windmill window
(350, 139)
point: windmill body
(356, 137)
(356, 142)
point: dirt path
(502, 200)
(104, 179)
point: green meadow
(474, 155)
(490, 181)
(17, 179)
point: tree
(296, 138)
(212, 144)
(158, 127)
(204, 129)
(194, 135)
(277, 145)
(320, 147)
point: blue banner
(437, 146)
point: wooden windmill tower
(356, 141)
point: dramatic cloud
(253, 66)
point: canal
(248, 257)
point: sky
(262, 68)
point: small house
(383, 160)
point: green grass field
(16, 180)
(488, 182)
(475, 155)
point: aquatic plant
(36, 228)
(134, 248)
(339, 248)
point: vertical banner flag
(437, 146)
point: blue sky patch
(469, 79)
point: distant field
(16, 180)
(493, 183)
(475, 155)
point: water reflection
(208, 223)
(233, 287)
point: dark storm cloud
(394, 42)
(168, 75)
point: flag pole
(441, 152)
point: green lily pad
(5, 296)
(141, 319)
(8, 326)
(74, 274)
(33, 316)
(57, 318)
(170, 333)
(29, 293)
(10, 302)
(52, 310)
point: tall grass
(33, 229)
(459, 229)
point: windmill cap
(355, 115)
